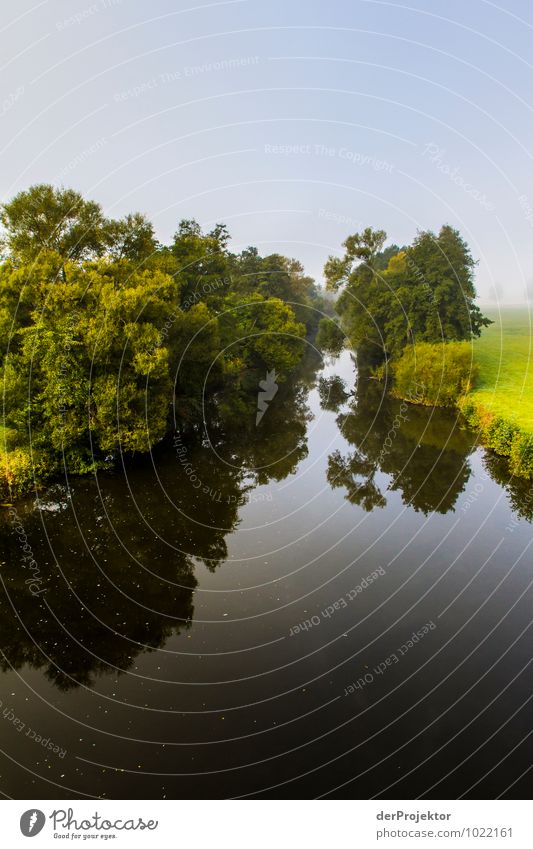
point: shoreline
(497, 432)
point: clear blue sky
(294, 121)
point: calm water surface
(236, 618)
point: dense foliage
(434, 374)
(110, 339)
(502, 435)
(394, 297)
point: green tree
(109, 339)
(277, 276)
(434, 373)
(364, 303)
(132, 238)
(200, 263)
(260, 333)
(444, 265)
(391, 297)
(43, 218)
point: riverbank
(490, 381)
(503, 354)
(501, 404)
(148, 578)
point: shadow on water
(169, 592)
(518, 490)
(424, 451)
(117, 553)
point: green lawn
(504, 354)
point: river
(334, 602)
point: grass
(504, 353)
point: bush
(521, 455)
(434, 374)
(20, 471)
(501, 435)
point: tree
(132, 238)
(444, 266)
(47, 219)
(110, 340)
(365, 300)
(363, 248)
(201, 263)
(394, 297)
(92, 360)
(277, 276)
(260, 333)
(438, 374)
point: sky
(295, 122)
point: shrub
(499, 434)
(521, 455)
(20, 471)
(434, 374)
(503, 436)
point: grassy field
(504, 354)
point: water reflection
(332, 392)
(117, 554)
(273, 449)
(518, 490)
(424, 450)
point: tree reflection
(332, 393)
(272, 449)
(117, 553)
(518, 490)
(422, 449)
(356, 474)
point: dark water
(165, 655)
